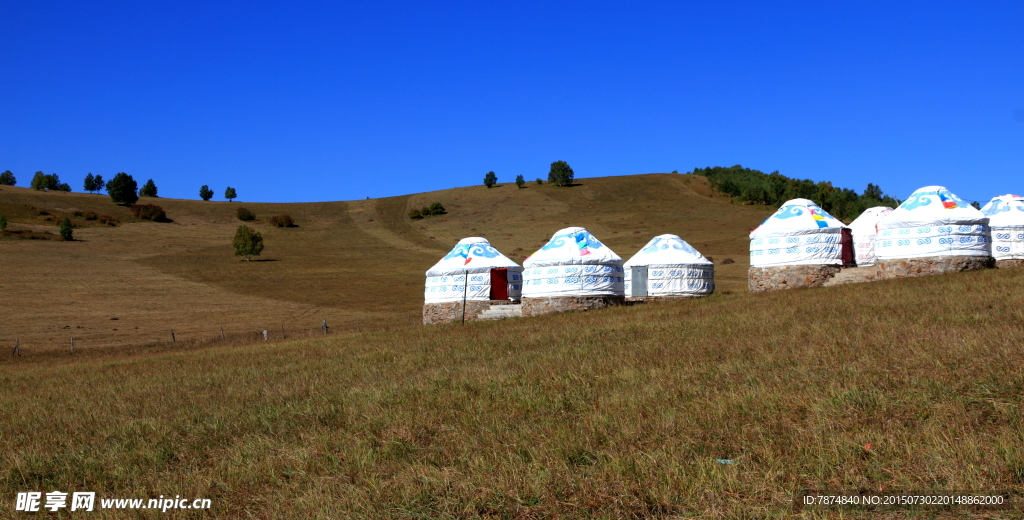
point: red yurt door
(499, 284)
(847, 243)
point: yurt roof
(1005, 211)
(932, 205)
(797, 216)
(667, 250)
(868, 221)
(573, 245)
(470, 254)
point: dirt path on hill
(365, 216)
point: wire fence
(72, 340)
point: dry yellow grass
(618, 413)
(355, 264)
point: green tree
(3, 222)
(539, 181)
(148, 189)
(7, 178)
(415, 214)
(122, 189)
(205, 192)
(248, 242)
(230, 194)
(65, 230)
(520, 182)
(561, 174)
(39, 181)
(490, 179)
(436, 209)
(90, 183)
(873, 192)
(99, 183)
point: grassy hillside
(617, 413)
(355, 264)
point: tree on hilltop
(148, 189)
(123, 189)
(520, 182)
(7, 178)
(205, 192)
(561, 174)
(230, 194)
(248, 242)
(490, 179)
(90, 183)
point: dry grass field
(911, 384)
(357, 264)
(618, 413)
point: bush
(109, 220)
(149, 212)
(3, 222)
(282, 221)
(248, 242)
(245, 215)
(89, 215)
(122, 189)
(65, 230)
(520, 181)
(437, 209)
(539, 181)
(415, 214)
(7, 179)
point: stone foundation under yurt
(559, 304)
(931, 265)
(1007, 264)
(789, 277)
(447, 312)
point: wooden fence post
(282, 331)
(325, 327)
(17, 347)
(222, 334)
(72, 343)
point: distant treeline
(774, 188)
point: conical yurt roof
(573, 246)
(667, 250)
(796, 216)
(1005, 211)
(867, 222)
(470, 255)
(932, 205)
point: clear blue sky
(305, 101)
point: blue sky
(305, 101)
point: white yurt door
(638, 280)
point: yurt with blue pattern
(1006, 220)
(674, 268)
(475, 258)
(799, 233)
(865, 230)
(933, 222)
(573, 263)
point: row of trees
(206, 193)
(95, 183)
(560, 174)
(773, 189)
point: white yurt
(800, 245)
(473, 271)
(668, 267)
(865, 228)
(1006, 220)
(938, 230)
(573, 264)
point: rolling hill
(357, 264)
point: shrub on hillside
(520, 182)
(248, 242)
(149, 212)
(245, 215)
(282, 221)
(437, 209)
(539, 181)
(65, 230)
(109, 220)
(3, 222)
(89, 215)
(434, 209)
(415, 214)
